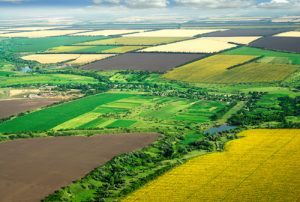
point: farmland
(43, 44)
(134, 41)
(288, 58)
(200, 45)
(109, 32)
(42, 33)
(197, 84)
(51, 58)
(247, 32)
(155, 62)
(116, 111)
(75, 156)
(242, 175)
(237, 40)
(208, 69)
(14, 107)
(287, 44)
(289, 34)
(68, 58)
(50, 79)
(172, 33)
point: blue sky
(135, 9)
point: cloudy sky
(130, 9)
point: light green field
(135, 41)
(50, 79)
(270, 56)
(123, 49)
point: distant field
(292, 58)
(14, 107)
(248, 32)
(88, 58)
(155, 62)
(49, 79)
(42, 33)
(173, 33)
(135, 41)
(261, 166)
(69, 58)
(94, 49)
(200, 45)
(43, 44)
(51, 58)
(289, 34)
(208, 69)
(47, 164)
(288, 44)
(36, 28)
(109, 32)
(80, 49)
(238, 40)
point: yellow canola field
(108, 32)
(264, 165)
(69, 58)
(289, 34)
(174, 33)
(238, 40)
(42, 33)
(200, 45)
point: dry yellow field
(173, 33)
(69, 58)
(108, 32)
(51, 58)
(87, 58)
(264, 165)
(39, 34)
(237, 40)
(200, 45)
(289, 34)
(207, 69)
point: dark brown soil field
(15, 107)
(288, 44)
(248, 32)
(31, 169)
(153, 62)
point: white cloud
(280, 4)
(146, 3)
(134, 3)
(216, 3)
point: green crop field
(116, 111)
(43, 44)
(135, 41)
(50, 79)
(51, 117)
(269, 56)
(123, 49)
